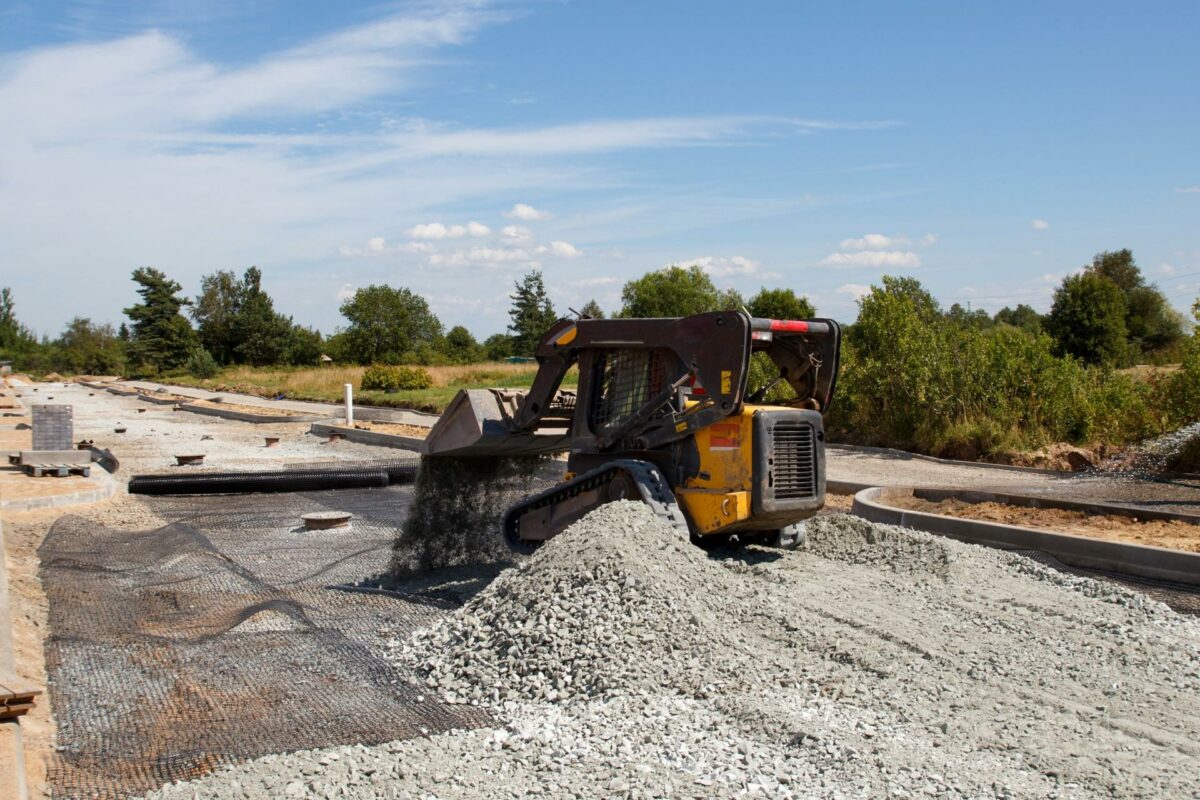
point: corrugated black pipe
(282, 481)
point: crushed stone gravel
(877, 662)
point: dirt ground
(178, 398)
(397, 428)
(276, 412)
(1175, 534)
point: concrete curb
(367, 437)
(846, 487)
(106, 489)
(121, 392)
(246, 416)
(158, 401)
(1081, 551)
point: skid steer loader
(663, 414)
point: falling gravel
(879, 662)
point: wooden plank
(8, 712)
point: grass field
(325, 383)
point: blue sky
(451, 146)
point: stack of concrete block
(54, 438)
(53, 428)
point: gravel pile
(879, 662)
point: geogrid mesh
(224, 636)
(1183, 598)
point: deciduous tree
(671, 292)
(1087, 319)
(780, 304)
(386, 324)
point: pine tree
(161, 337)
(262, 335)
(531, 313)
(592, 309)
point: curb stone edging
(246, 416)
(106, 489)
(1146, 561)
(367, 437)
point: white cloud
(1166, 269)
(517, 233)
(874, 241)
(530, 257)
(345, 293)
(565, 250)
(526, 213)
(1187, 190)
(874, 258)
(436, 230)
(724, 267)
(378, 246)
(855, 290)
(929, 240)
(1040, 225)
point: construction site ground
(916, 665)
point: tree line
(1106, 315)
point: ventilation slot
(794, 469)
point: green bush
(913, 379)
(381, 377)
(414, 378)
(201, 364)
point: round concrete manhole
(323, 520)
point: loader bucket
(474, 424)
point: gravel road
(876, 662)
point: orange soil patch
(397, 428)
(16, 485)
(838, 503)
(178, 398)
(273, 412)
(1175, 534)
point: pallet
(56, 470)
(16, 696)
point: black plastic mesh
(230, 634)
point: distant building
(325, 360)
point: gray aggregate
(620, 661)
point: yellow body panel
(720, 495)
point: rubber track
(651, 483)
(281, 481)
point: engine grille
(793, 473)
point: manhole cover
(322, 520)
